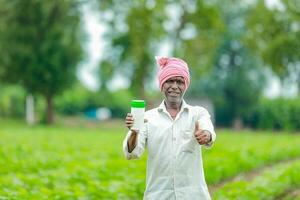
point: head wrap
(170, 67)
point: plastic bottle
(137, 111)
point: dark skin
(173, 89)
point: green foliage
(238, 152)
(236, 79)
(12, 101)
(134, 33)
(40, 45)
(275, 32)
(278, 114)
(67, 163)
(105, 73)
(120, 103)
(61, 162)
(203, 21)
(236, 82)
(79, 99)
(269, 185)
(76, 100)
(141, 28)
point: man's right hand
(129, 120)
(131, 142)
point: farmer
(173, 133)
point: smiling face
(174, 89)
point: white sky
(95, 47)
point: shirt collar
(162, 107)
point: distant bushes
(272, 114)
(79, 99)
(75, 101)
(276, 114)
(12, 101)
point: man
(173, 134)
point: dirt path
(248, 176)
(290, 195)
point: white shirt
(174, 165)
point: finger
(129, 119)
(197, 134)
(134, 131)
(201, 136)
(129, 123)
(202, 141)
(197, 126)
(129, 115)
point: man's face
(173, 89)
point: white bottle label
(138, 116)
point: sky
(95, 45)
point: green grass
(236, 152)
(60, 162)
(269, 185)
(67, 163)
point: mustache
(177, 92)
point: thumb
(197, 126)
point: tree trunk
(238, 123)
(50, 115)
(29, 109)
(138, 81)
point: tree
(236, 79)
(137, 32)
(40, 46)
(275, 33)
(198, 34)
(134, 32)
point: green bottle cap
(138, 103)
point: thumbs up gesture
(202, 136)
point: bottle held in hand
(138, 111)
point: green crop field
(85, 161)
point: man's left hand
(202, 136)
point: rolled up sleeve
(139, 148)
(207, 125)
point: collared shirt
(174, 165)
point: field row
(235, 153)
(71, 163)
(274, 183)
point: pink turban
(170, 67)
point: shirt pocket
(188, 141)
